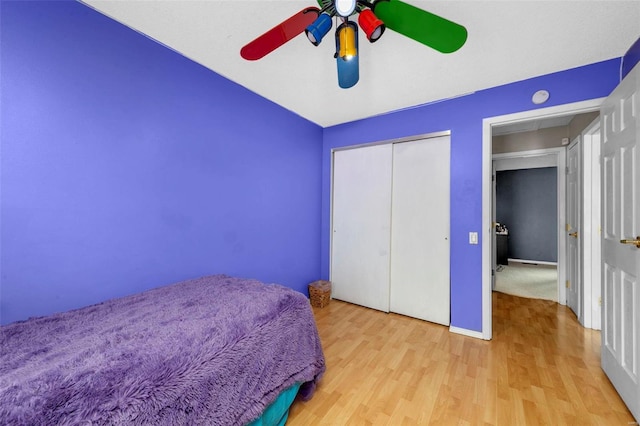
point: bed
(216, 350)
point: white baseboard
(465, 332)
(537, 262)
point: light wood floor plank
(541, 368)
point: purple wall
(463, 117)
(630, 59)
(125, 166)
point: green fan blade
(424, 27)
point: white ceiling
(508, 41)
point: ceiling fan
(373, 17)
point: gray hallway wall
(526, 202)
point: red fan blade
(280, 34)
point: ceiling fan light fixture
(372, 26)
(347, 40)
(375, 16)
(318, 29)
(345, 8)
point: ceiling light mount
(345, 8)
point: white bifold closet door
(361, 222)
(390, 220)
(420, 230)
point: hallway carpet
(528, 280)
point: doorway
(578, 212)
(529, 209)
(488, 125)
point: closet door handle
(573, 234)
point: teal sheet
(277, 413)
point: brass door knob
(573, 234)
(635, 242)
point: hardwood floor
(541, 367)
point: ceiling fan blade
(348, 72)
(347, 55)
(424, 27)
(280, 34)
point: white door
(420, 230)
(620, 125)
(361, 223)
(574, 256)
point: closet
(390, 227)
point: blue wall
(125, 166)
(630, 59)
(463, 117)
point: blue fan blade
(348, 69)
(348, 72)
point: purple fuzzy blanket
(215, 350)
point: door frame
(579, 228)
(591, 226)
(487, 124)
(549, 157)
